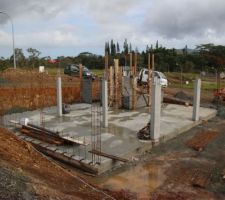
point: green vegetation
(206, 57)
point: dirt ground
(23, 90)
(25, 174)
(169, 171)
(173, 170)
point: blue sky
(68, 27)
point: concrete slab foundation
(119, 139)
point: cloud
(181, 18)
(43, 9)
(78, 25)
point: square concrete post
(59, 96)
(155, 111)
(105, 103)
(196, 103)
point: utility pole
(13, 40)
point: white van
(143, 77)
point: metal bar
(108, 156)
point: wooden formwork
(114, 75)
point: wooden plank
(108, 156)
(14, 122)
(80, 142)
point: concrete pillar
(105, 103)
(196, 103)
(59, 96)
(155, 110)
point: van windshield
(85, 69)
(162, 75)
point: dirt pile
(48, 180)
(182, 95)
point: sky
(68, 27)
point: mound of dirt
(48, 180)
(182, 95)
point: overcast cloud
(67, 27)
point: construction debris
(182, 95)
(108, 156)
(173, 100)
(44, 134)
(200, 141)
(144, 133)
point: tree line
(205, 57)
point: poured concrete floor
(120, 138)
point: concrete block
(196, 102)
(155, 111)
(59, 96)
(105, 103)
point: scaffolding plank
(108, 156)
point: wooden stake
(106, 65)
(131, 65)
(149, 79)
(81, 79)
(120, 85)
(116, 63)
(134, 93)
(111, 84)
(135, 65)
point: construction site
(108, 137)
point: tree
(213, 55)
(20, 58)
(157, 44)
(113, 48)
(130, 48)
(125, 47)
(136, 50)
(33, 57)
(147, 49)
(117, 48)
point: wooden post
(134, 93)
(120, 85)
(135, 65)
(111, 84)
(116, 63)
(153, 61)
(149, 79)
(131, 65)
(106, 66)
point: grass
(98, 72)
(206, 84)
(53, 71)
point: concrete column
(155, 110)
(59, 96)
(196, 103)
(105, 103)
